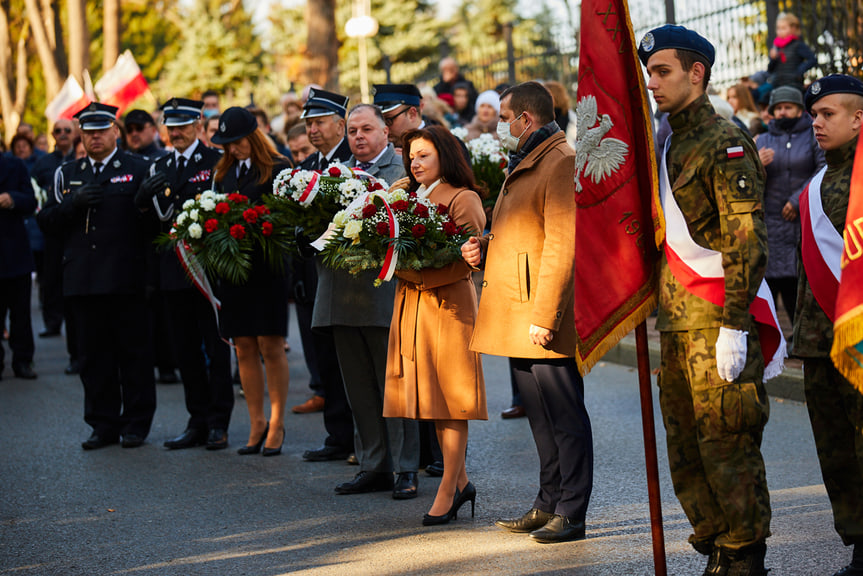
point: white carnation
(188, 204)
(181, 217)
(193, 214)
(195, 230)
(208, 204)
(459, 132)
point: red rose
(267, 228)
(442, 209)
(412, 194)
(238, 231)
(250, 215)
(418, 231)
(422, 211)
(211, 225)
(223, 208)
(382, 228)
(294, 171)
(334, 172)
(449, 228)
(376, 186)
(261, 209)
(369, 210)
(400, 205)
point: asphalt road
(148, 511)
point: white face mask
(507, 140)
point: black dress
(260, 306)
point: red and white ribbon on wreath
(199, 278)
(392, 257)
(311, 190)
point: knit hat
(785, 94)
(489, 97)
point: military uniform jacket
(813, 330)
(196, 178)
(346, 300)
(720, 193)
(318, 161)
(105, 247)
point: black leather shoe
(559, 529)
(849, 570)
(217, 439)
(190, 438)
(131, 441)
(23, 371)
(325, 453)
(513, 412)
(748, 561)
(49, 333)
(95, 441)
(365, 482)
(73, 368)
(435, 469)
(534, 519)
(405, 487)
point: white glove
(730, 353)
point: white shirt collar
(104, 160)
(187, 153)
(329, 155)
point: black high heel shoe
(255, 448)
(469, 493)
(275, 451)
(429, 520)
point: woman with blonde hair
(741, 101)
(431, 372)
(254, 314)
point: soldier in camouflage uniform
(835, 407)
(714, 408)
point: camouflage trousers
(836, 412)
(713, 431)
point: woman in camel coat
(431, 372)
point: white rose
(396, 195)
(181, 217)
(341, 218)
(353, 229)
(195, 230)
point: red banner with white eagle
(615, 178)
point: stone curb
(788, 385)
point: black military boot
(856, 566)
(748, 561)
(718, 562)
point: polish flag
(122, 84)
(68, 102)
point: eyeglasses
(388, 120)
(134, 128)
(61, 131)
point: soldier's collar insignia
(648, 43)
(116, 163)
(83, 164)
(815, 88)
(197, 156)
(170, 161)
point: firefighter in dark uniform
(324, 114)
(181, 176)
(96, 209)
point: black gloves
(304, 243)
(151, 186)
(87, 196)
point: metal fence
(741, 30)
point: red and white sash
(821, 247)
(700, 271)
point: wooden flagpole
(651, 465)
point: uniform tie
(97, 168)
(244, 169)
(181, 164)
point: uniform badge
(170, 161)
(174, 103)
(197, 156)
(815, 88)
(123, 178)
(734, 152)
(222, 127)
(83, 165)
(741, 183)
(648, 43)
(116, 164)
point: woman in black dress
(255, 314)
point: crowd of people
(395, 395)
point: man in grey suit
(359, 316)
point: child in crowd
(790, 57)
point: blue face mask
(209, 112)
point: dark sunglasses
(134, 128)
(62, 130)
(389, 120)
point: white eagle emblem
(595, 156)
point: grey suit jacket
(345, 300)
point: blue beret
(833, 84)
(181, 111)
(671, 36)
(323, 103)
(390, 96)
(97, 116)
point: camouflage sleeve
(739, 189)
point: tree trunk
(79, 39)
(322, 45)
(111, 34)
(43, 47)
(7, 105)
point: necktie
(181, 164)
(97, 168)
(323, 163)
(364, 165)
(244, 169)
